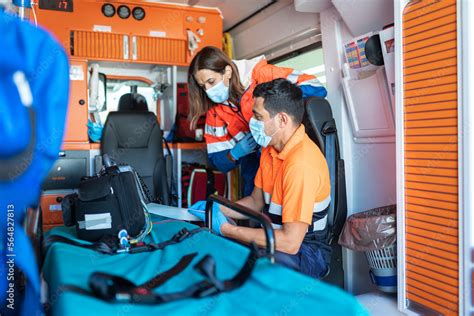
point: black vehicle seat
(321, 128)
(133, 136)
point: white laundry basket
(383, 268)
(375, 233)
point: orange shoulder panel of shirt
(308, 154)
(265, 177)
(305, 182)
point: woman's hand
(246, 146)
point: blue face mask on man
(257, 128)
(218, 93)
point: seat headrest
(129, 129)
(317, 115)
(132, 102)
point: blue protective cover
(271, 289)
(42, 62)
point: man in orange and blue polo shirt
(292, 183)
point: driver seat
(132, 136)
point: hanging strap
(116, 289)
(329, 132)
(210, 184)
(109, 245)
(169, 174)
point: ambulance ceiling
(232, 10)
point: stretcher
(270, 288)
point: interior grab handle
(259, 217)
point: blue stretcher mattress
(271, 289)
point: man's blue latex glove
(198, 209)
(246, 146)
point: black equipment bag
(105, 204)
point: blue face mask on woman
(257, 128)
(218, 93)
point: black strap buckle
(139, 247)
(181, 235)
(205, 289)
(111, 287)
(140, 295)
(329, 127)
(117, 289)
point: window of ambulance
(118, 87)
(309, 60)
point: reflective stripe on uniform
(321, 206)
(293, 77)
(220, 146)
(239, 136)
(320, 224)
(276, 226)
(216, 131)
(267, 197)
(275, 209)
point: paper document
(171, 212)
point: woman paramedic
(222, 89)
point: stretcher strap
(116, 289)
(110, 245)
(210, 184)
(107, 286)
(168, 274)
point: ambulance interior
(149, 54)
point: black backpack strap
(110, 246)
(183, 234)
(102, 246)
